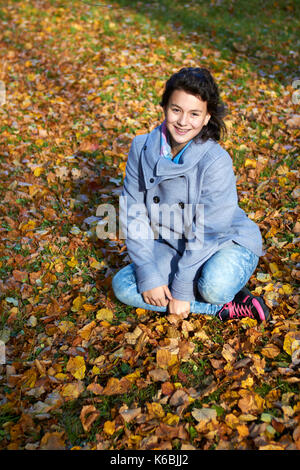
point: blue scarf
(165, 148)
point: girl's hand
(159, 296)
(179, 307)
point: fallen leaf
(76, 366)
(88, 415)
(270, 351)
(204, 414)
(72, 390)
(228, 353)
(53, 441)
(159, 375)
(129, 414)
(131, 338)
(105, 314)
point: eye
(195, 114)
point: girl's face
(185, 116)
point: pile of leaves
(78, 369)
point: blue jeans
(221, 277)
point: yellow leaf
(37, 171)
(122, 167)
(95, 370)
(249, 163)
(273, 267)
(132, 377)
(105, 314)
(29, 378)
(77, 303)
(134, 441)
(61, 376)
(248, 382)
(88, 307)
(98, 264)
(243, 147)
(282, 181)
(72, 390)
(269, 287)
(286, 289)
(171, 419)
(73, 262)
(288, 342)
(271, 232)
(109, 427)
(76, 366)
(30, 225)
(155, 409)
(66, 326)
(140, 311)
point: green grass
(267, 28)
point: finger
(161, 302)
(168, 293)
(164, 302)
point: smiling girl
(193, 249)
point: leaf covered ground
(81, 370)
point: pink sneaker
(244, 305)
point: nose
(182, 119)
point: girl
(193, 249)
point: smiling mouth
(181, 131)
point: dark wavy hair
(199, 82)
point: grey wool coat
(175, 216)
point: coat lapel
(156, 168)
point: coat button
(181, 204)
(151, 180)
(156, 199)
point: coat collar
(156, 167)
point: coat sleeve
(214, 214)
(135, 225)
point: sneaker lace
(239, 310)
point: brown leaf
(270, 351)
(131, 338)
(167, 388)
(53, 441)
(20, 276)
(251, 402)
(180, 397)
(87, 330)
(159, 375)
(294, 121)
(129, 414)
(186, 348)
(228, 353)
(95, 388)
(87, 416)
(115, 386)
(165, 358)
